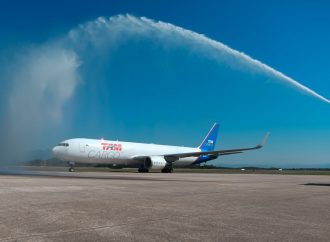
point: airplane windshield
(63, 144)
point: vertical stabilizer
(210, 140)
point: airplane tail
(209, 141)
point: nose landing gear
(71, 164)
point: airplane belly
(184, 162)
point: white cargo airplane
(142, 156)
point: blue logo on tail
(210, 140)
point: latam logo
(109, 146)
(209, 142)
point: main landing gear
(167, 169)
(143, 170)
(71, 164)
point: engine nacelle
(154, 162)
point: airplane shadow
(60, 175)
(317, 184)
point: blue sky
(152, 89)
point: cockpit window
(63, 144)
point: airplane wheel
(142, 170)
(167, 170)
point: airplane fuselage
(141, 155)
(117, 153)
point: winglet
(264, 140)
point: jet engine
(154, 162)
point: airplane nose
(55, 151)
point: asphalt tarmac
(96, 206)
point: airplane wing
(174, 157)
